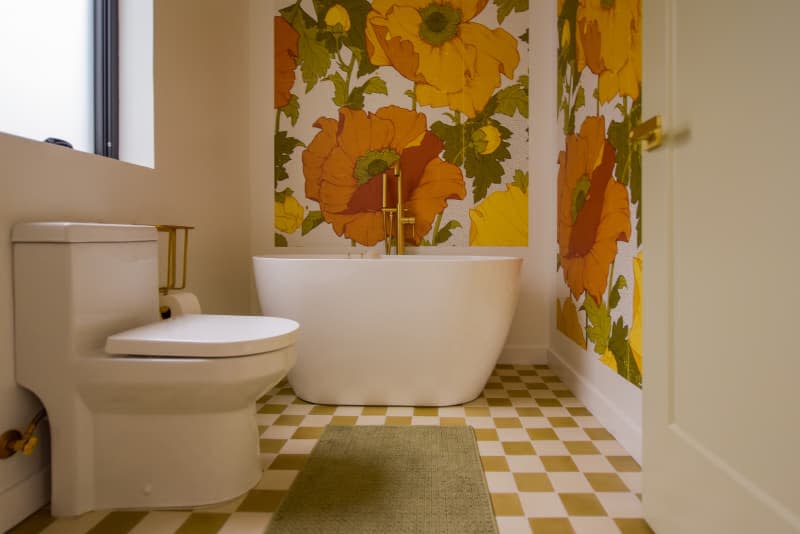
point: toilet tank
(77, 283)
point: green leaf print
(613, 298)
(453, 138)
(312, 220)
(284, 146)
(313, 56)
(372, 86)
(339, 89)
(599, 323)
(512, 99)
(354, 38)
(620, 348)
(446, 232)
(521, 180)
(280, 240)
(292, 109)
(504, 8)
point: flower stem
(349, 74)
(435, 236)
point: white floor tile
(594, 525)
(246, 523)
(277, 479)
(512, 434)
(513, 525)
(491, 448)
(500, 482)
(570, 483)
(621, 504)
(298, 446)
(525, 464)
(75, 525)
(364, 420)
(593, 463)
(317, 420)
(160, 523)
(551, 448)
(542, 504)
(279, 432)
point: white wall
(200, 179)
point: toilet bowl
(143, 413)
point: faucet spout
(389, 214)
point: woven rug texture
(389, 479)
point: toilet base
(180, 461)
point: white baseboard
(24, 498)
(610, 403)
(523, 354)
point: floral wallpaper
(437, 89)
(600, 180)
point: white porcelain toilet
(143, 413)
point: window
(59, 65)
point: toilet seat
(205, 336)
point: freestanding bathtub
(391, 330)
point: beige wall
(201, 179)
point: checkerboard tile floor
(550, 466)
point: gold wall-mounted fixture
(648, 132)
(389, 213)
(172, 257)
(13, 441)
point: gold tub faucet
(389, 213)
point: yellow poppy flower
(486, 139)
(609, 42)
(288, 214)
(501, 220)
(453, 61)
(568, 323)
(337, 14)
(635, 336)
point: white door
(722, 267)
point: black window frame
(106, 78)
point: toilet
(143, 413)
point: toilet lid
(206, 336)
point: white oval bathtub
(391, 330)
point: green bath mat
(389, 479)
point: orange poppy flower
(453, 62)
(609, 42)
(593, 210)
(286, 48)
(344, 163)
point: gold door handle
(648, 132)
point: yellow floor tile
(551, 525)
(518, 447)
(581, 504)
(308, 432)
(262, 501)
(558, 463)
(533, 482)
(506, 504)
(289, 461)
(624, 463)
(494, 463)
